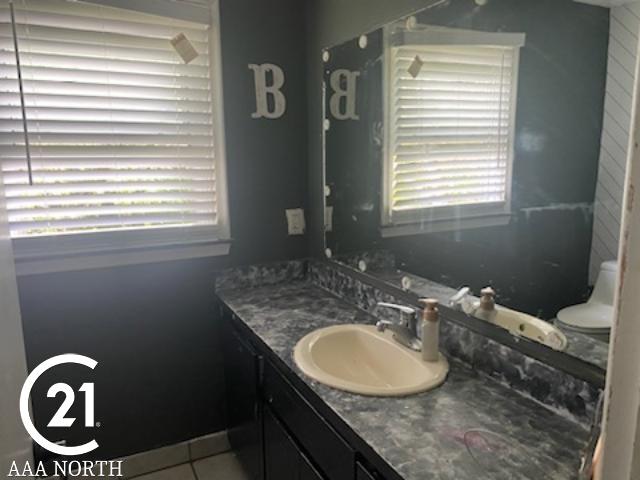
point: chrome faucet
(405, 333)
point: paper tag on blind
(184, 47)
(415, 67)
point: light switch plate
(295, 221)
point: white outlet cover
(295, 221)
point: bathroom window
(449, 128)
(125, 135)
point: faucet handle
(488, 291)
(460, 295)
(395, 306)
(429, 303)
(488, 298)
(430, 310)
(408, 314)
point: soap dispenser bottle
(430, 330)
(487, 308)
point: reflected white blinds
(450, 116)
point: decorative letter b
(343, 84)
(265, 92)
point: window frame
(442, 219)
(78, 251)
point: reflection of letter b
(343, 83)
(265, 92)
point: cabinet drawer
(323, 444)
(363, 474)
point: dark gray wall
(539, 262)
(152, 327)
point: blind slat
(105, 150)
(50, 214)
(115, 222)
(110, 64)
(61, 126)
(79, 89)
(106, 116)
(170, 80)
(93, 21)
(79, 176)
(101, 39)
(452, 170)
(84, 50)
(45, 101)
(57, 163)
(46, 189)
(143, 198)
(129, 140)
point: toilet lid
(590, 315)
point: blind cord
(22, 104)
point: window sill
(446, 225)
(62, 262)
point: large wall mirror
(475, 152)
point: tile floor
(219, 467)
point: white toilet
(595, 317)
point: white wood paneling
(623, 41)
(621, 429)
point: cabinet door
(307, 470)
(280, 452)
(283, 458)
(242, 367)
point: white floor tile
(181, 472)
(157, 459)
(224, 466)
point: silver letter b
(343, 84)
(263, 91)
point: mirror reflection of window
(449, 127)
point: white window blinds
(449, 124)
(122, 132)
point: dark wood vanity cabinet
(244, 407)
(275, 431)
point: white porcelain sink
(525, 325)
(359, 359)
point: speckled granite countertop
(585, 347)
(471, 428)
